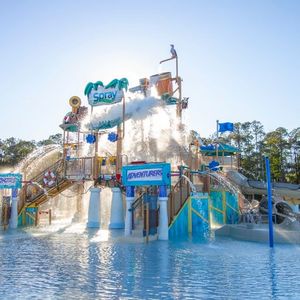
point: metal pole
(119, 150)
(95, 175)
(269, 187)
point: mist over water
(152, 130)
(39, 160)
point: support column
(116, 213)
(129, 201)
(78, 214)
(163, 227)
(13, 222)
(94, 208)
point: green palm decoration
(112, 84)
(88, 88)
(98, 83)
(123, 84)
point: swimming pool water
(76, 263)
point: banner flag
(225, 127)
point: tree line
(281, 146)
(13, 150)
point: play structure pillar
(163, 228)
(78, 214)
(94, 208)
(13, 222)
(129, 201)
(116, 214)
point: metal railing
(178, 195)
(79, 168)
(35, 187)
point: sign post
(147, 174)
(14, 182)
(152, 174)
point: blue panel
(217, 202)
(20, 220)
(32, 210)
(28, 221)
(180, 227)
(146, 174)
(200, 228)
(232, 216)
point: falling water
(221, 178)
(152, 130)
(39, 160)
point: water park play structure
(133, 142)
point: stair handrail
(193, 188)
(38, 178)
(50, 168)
(137, 202)
(173, 207)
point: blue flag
(225, 127)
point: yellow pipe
(178, 214)
(232, 208)
(30, 215)
(224, 206)
(209, 211)
(217, 209)
(199, 215)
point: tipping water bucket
(163, 83)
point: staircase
(35, 192)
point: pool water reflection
(75, 263)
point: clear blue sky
(239, 59)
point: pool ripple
(70, 265)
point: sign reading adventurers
(147, 174)
(112, 93)
(10, 181)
